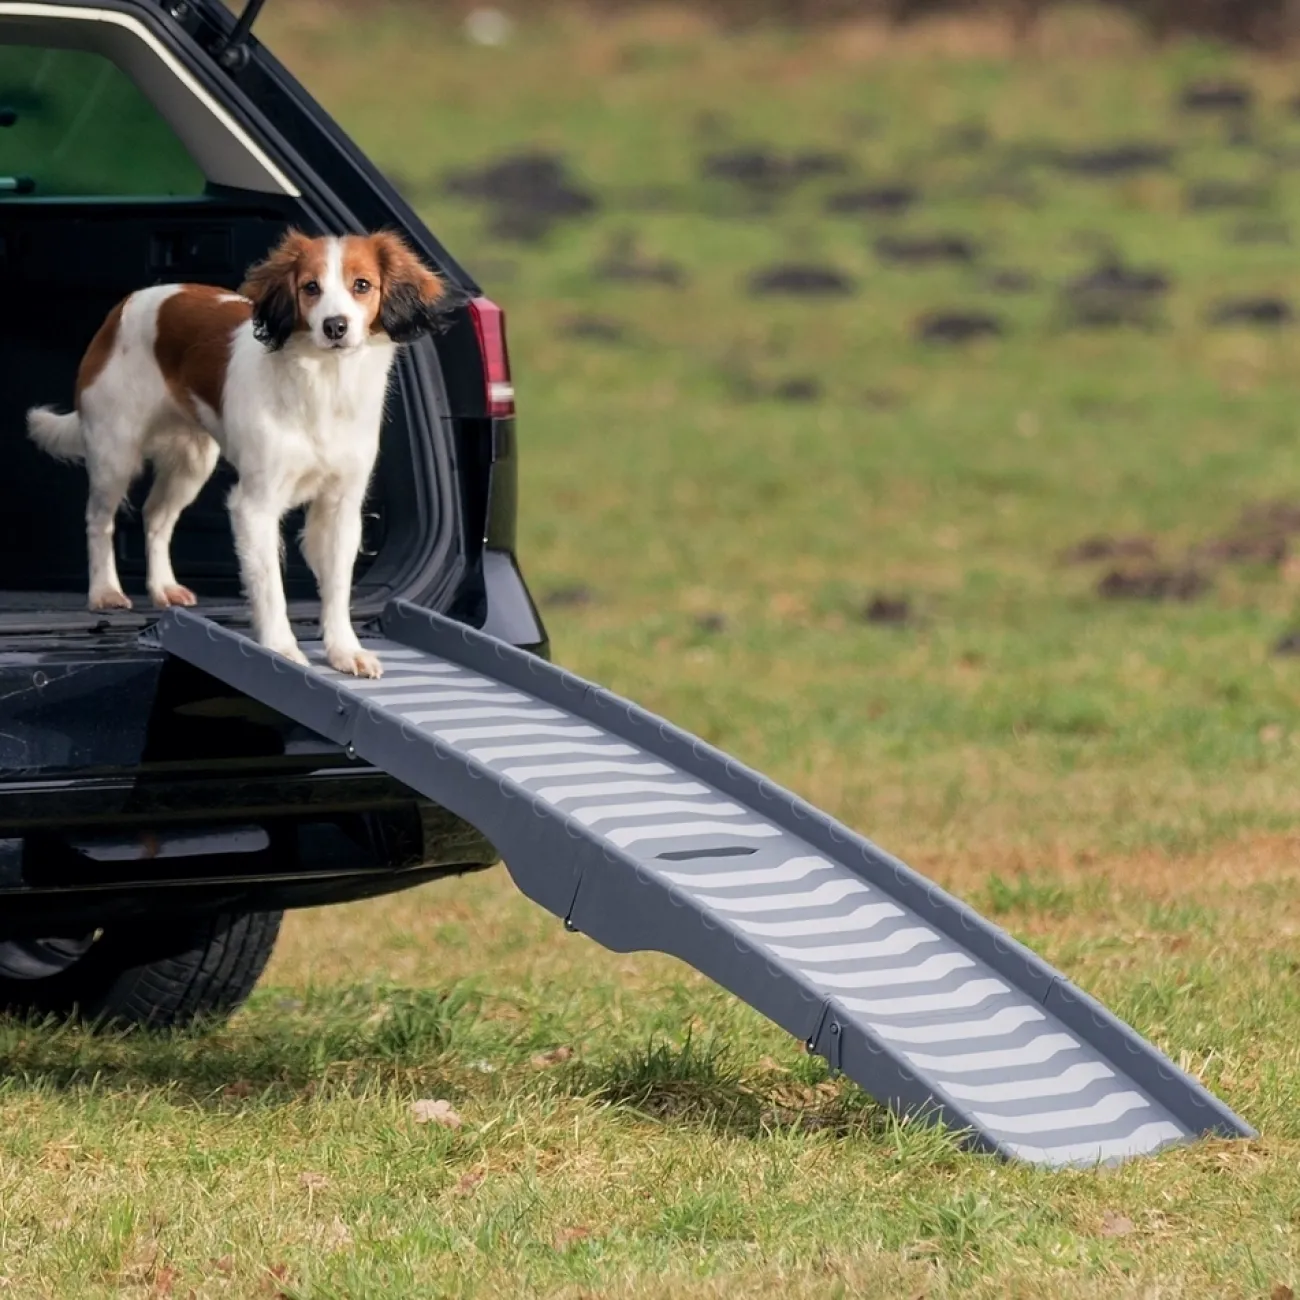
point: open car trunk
(69, 262)
(128, 157)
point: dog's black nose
(335, 327)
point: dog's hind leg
(112, 461)
(183, 462)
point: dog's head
(338, 293)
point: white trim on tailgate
(271, 176)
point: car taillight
(490, 327)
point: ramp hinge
(573, 903)
(834, 1049)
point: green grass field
(1117, 781)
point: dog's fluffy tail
(60, 435)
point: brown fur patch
(97, 354)
(195, 328)
(295, 261)
(310, 268)
(405, 282)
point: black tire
(159, 976)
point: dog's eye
(311, 289)
(361, 286)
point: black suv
(154, 824)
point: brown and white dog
(287, 379)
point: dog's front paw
(291, 652)
(109, 598)
(355, 662)
(166, 597)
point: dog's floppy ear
(272, 287)
(414, 300)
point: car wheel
(161, 975)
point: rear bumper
(132, 784)
(67, 883)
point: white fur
(301, 426)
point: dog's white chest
(306, 420)
(322, 394)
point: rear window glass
(72, 124)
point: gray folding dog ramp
(643, 837)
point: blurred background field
(914, 419)
(911, 411)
